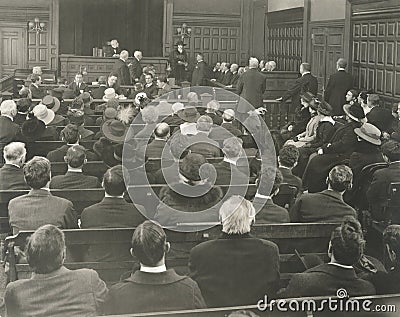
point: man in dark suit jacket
(74, 178)
(36, 91)
(307, 82)
(235, 75)
(154, 287)
(227, 75)
(121, 70)
(328, 205)
(251, 87)
(200, 71)
(201, 143)
(228, 269)
(287, 159)
(379, 116)
(78, 86)
(8, 129)
(377, 193)
(155, 148)
(79, 292)
(98, 93)
(338, 85)
(39, 206)
(11, 174)
(135, 69)
(345, 250)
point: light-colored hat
(109, 93)
(51, 103)
(369, 133)
(230, 112)
(42, 113)
(177, 106)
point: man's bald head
(162, 130)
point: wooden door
(12, 52)
(326, 47)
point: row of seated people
(235, 269)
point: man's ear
(131, 251)
(167, 247)
(330, 250)
(391, 254)
(65, 159)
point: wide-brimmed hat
(43, 113)
(180, 43)
(325, 108)
(58, 93)
(86, 98)
(32, 128)
(114, 130)
(109, 93)
(354, 111)
(370, 133)
(307, 96)
(68, 94)
(189, 167)
(189, 114)
(51, 103)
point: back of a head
(179, 145)
(341, 63)
(340, 178)
(35, 78)
(204, 123)
(124, 55)
(213, 105)
(70, 134)
(391, 149)
(347, 241)
(391, 237)
(76, 156)
(113, 181)
(306, 67)
(373, 99)
(288, 156)
(37, 172)
(253, 62)
(192, 97)
(162, 130)
(137, 54)
(177, 106)
(15, 153)
(8, 107)
(45, 250)
(149, 114)
(237, 215)
(228, 115)
(266, 175)
(163, 79)
(232, 147)
(149, 243)
(76, 117)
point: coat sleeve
(344, 144)
(10, 302)
(328, 89)
(377, 188)
(240, 84)
(294, 288)
(294, 89)
(198, 298)
(295, 211)
(99, 290)
(70, 217)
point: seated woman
(345, 249)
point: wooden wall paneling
(12, 49)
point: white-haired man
(236, 268)
(113, 50)
(9, 130)
(11, 174)
(121, 70)
(251, 88)
(135, 68)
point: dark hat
(369, 133)
(51, 103)
(58, 93)
(325, 108)
(189, 167)
(24, 104)
(180, 43)
(189, 114)
(354, 111)
(86, 98)
(68, 94)
(114, 130)
(33, 128)
(307, 96)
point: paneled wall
(376, 51)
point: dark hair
(395, 106)
(340, 178)
(200, 54)
(24, 104)
(113, 181)
(70, 134)
(391, 236)
(45, 249)
(35, 78)
(347, 241)
(149, 243)
(288, 155)
(364, 95)
(76, 117)
(354, 93)
(149, 74)
(75, 156)
(391, 149)
(306, 67)
(77, 103)
(37, 172)
(265, 177)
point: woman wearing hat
(178, 61)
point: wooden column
(306, 32)
(167, 27)
(347, 35)
(54, 21)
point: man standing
(121, 70)
(179, 62)
(251, 87)
(135, 68)
(200, 71)
(338, 85)
(307, 82)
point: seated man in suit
(227, 128)
(36, 91)
(235, 269)
(153, 286)
(378, 189)
(54, 290)
(267, 211)
(379, 116)
(70, 135)
(39, 206)
(74, 178)
(11, 174)
(155, 148)
(212, 110)
(78, 86)
(389, 283)
(98, 92)
(287, 159)
(163, 87)
(228, 172)
(345, 249)
(9, 130)
(201, 143)
(328, 205)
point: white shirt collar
(7, 116)
(328, 119)
(155, 269)
(305, 73)
(75, 170)
(8, 163)
(340, 68)
(109, 196)
(262, 196)
(230, 161)
(341, 265)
